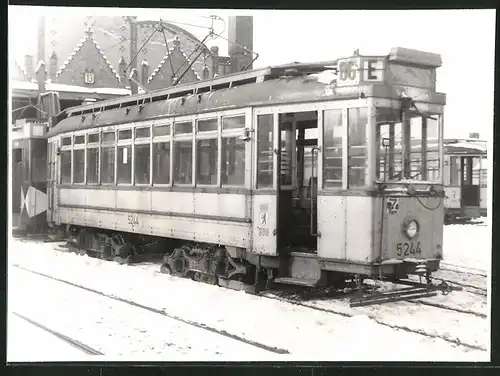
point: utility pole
(132, 20)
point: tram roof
(297, 89)
(465, 146)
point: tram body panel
(345, 224)
(398, 212)
(265, 224)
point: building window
(92, 165)
(265, 137)
(78, 166)
(358, 151)
(141, 161)
(234, 122)
(66, 167)
(161, 162)
(332, 140)
(233, 161)
(124, 162)
(207, 125)
(183, 162)
(206, 166)
(108, 165)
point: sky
(464, 38)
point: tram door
(297, 181)
(470, 187)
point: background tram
(29, 180)
(465, 177)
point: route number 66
(347, 70)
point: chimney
(144, 72)
(53, 66)
(28, 66)
(240, 36)
(121, 70)
(215, 59)
(41, 38)
(41, 77)
(474, 135)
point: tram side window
(432, 133)
(107, 165)
(124, 162)
(66, 167)
(92, 165)
(233, 161)
(358, 151)
(78, 166)
(332, 162)
(108, 158)
(206, 164)
(161, 162)
(142, 159)
(183, 162)
(265, 137)
(389, 156)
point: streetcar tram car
(213, 174)
(465, 177)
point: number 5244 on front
(408, 249)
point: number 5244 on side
(408, 249)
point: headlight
(411, 228)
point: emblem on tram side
(392, 205)
(263, 218)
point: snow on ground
(468, 246)
(113, 328)
(307, 334)
(28, 343)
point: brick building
(98, 51)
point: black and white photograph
(235, 185)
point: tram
(465, 182)
(268, 175)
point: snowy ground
(26, 342)
(307, 334)
(113, 328)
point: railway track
(163, 313)
(456, 342)
(473, 289)
(73, 342)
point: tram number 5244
(408, 248)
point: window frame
(142, 141)
(161, 139)
(184, 137)
(78, 147)
(207, 135)
(121, 143)
(109, 145)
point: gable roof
(166, 57)
(89, 38)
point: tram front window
(421, 158)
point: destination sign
(359, 70)
(411, 76)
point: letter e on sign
(373, 70)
